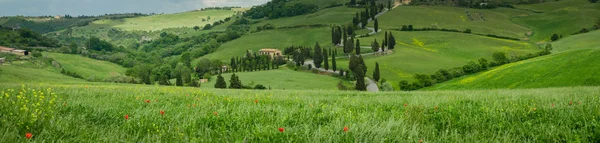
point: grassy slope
(158, 22)
(337, 15)
(497, 20)
(320, 3)
(96, 114)
(563, 18)
(278, 39)
(27, 73)
(86, 67)
(283, 79)
(427, 52)
(574, 63)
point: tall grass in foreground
(135, 113)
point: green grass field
(278, 39)
(497, 21)
(427, 52)
(320, 3)
(158, 22)
(87, 67)
(97, 113)
(574, 63)
(337, 15)
(30, 73)
(562, 18)
(282, 79)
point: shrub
(260, 87)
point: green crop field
(320, 3)
(552, 5)
(136, 113)
(427, 52)
(574, 64)
(278, 39)
(283, 79)
(497, 21)
(87, 67)
(337, 15)
(564, 20)
(158, 22)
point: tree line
(280, 8)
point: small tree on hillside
(349, 46)
(376, 25)
(554, 37)
(333, 62)
(500, 58)
(357, 47)
(376, 72)
(391, 42)
(318, 57)
(375, 46)
(326, 59)
(220, 82)
(196, 28)
(235, 82)
(360, 80)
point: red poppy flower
(405, 104)
(435, 107)
(421, 141)
(28, 135)
(126, 117)
(162, 112)
(571, 103)
(256, 101)
(147, 101)
(216, 114)
(346, 128)
(281, 130)
(86, 86)
(552, 105)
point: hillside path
(371, 87)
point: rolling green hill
(283, 79)
(574, 64)
(24, 72)
(337, 15)
(427, 52)
(495, 21)
(562, 18)
(87, 67)
(158, 22)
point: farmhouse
(270, 52)
(14, 51)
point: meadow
(86, 67)
(163, 21)
(137, 113)
(282, 79)
(427, 52)
(495, 21)
(565, 18)
(335, 16)
(573, 63)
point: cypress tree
(220, 82)
(357, 47)
(376, 72)
(344, 36)
(318, 57)
(235, 82)
(376, 24)
(326, 59)
(375, 46)
(333, 64)
(391, 43)
(360, 80)
(333, 35)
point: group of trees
(280, 8)
(472, 67)
(299, 53)
(235, 83)
(253, 62)
(23, 37)
(359, 69)
(371, 9)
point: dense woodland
(280, 8)
(22, 38)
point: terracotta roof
(269, 50)
(6, 48)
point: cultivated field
(337, 16)
(283, 79)
(87, 67)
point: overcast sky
(100, 7)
